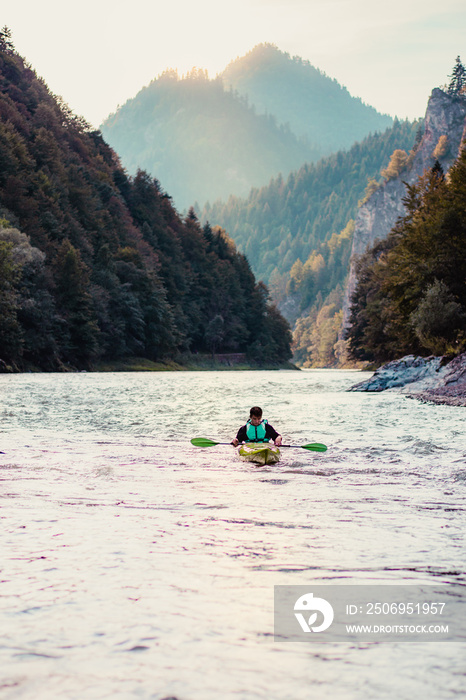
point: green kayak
(259, 452)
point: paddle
(314, 446)
(205, 442)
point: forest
(97, 265)
(290, 218)
(410, 296)
(411, 292)
(297, 234)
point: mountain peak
(260, 52)
(297, 93)
(264, 56)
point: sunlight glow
(102, 55)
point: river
(134, 565)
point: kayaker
(257, 429)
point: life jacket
(256, 433)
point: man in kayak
(257, 429)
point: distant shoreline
(194, 363)
(201, 364)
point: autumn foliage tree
(397, 164)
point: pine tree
(6, 44)
(10, 331)
(80, 340)
(458, 78)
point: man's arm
(241, 436)
(271, 434)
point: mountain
(266, 114)
(314, 105)
(201, 140)
(96, 265)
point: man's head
(255, 415)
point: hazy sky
(98, 53)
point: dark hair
(255, 411)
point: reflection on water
(136, 565)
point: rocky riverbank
(435, 379)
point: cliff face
(445, 116)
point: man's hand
(235, 442)
(278, 441)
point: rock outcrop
(399, 373)
(451, 386)
(433, 379)
(445, 116)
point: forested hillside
(96, 265)
(297, 235)
(202, 141)
(411, 292)
(290, 218)
(314, 105)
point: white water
(134, 565)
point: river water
(134, 565)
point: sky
(97, 54)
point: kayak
(259, 452)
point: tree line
(297, 234)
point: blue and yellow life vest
(256, 433)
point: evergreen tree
(458, 78)
(80, 334)
(6, 43)
(214, 332)
(10, 330)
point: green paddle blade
(203, 442)
(315, 446)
